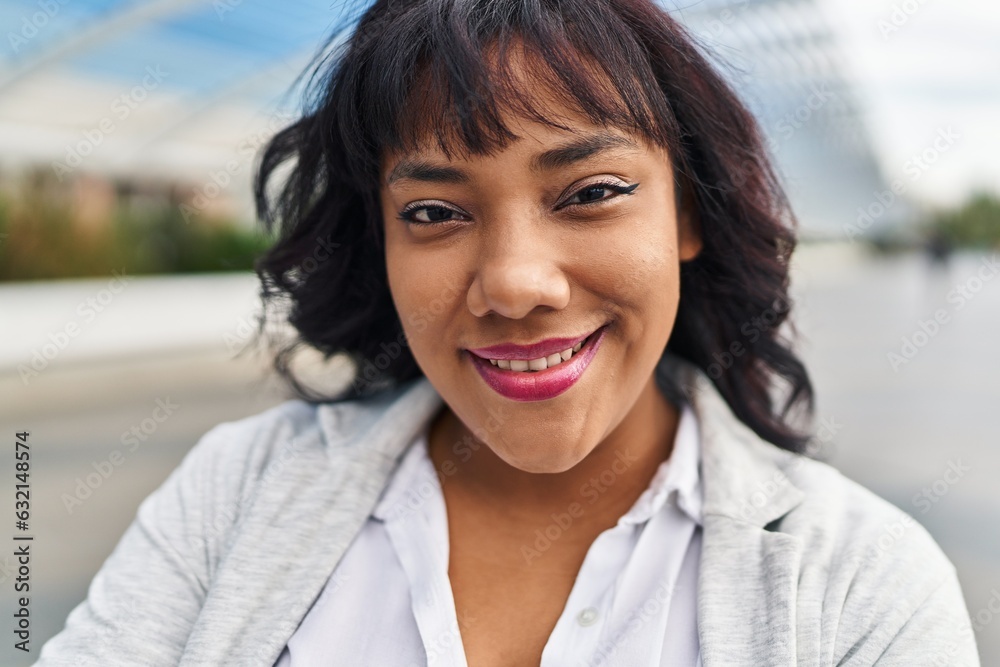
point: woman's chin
(551, 461)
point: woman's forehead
(541, 151)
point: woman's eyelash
(608, 185)
(407, 213)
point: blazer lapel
(308, 506)
(748, 575)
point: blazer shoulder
(852, 525)
(867, 563)
(243, 451)
(261, 433)
(328, 424)
(876, 573)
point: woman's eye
(427, 214)
(597, 192)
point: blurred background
(128, 131)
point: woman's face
(558, 236)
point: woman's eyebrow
(577, 150)
(580, 149)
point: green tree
(976, 223)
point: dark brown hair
(653, 81)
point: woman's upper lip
(544, 348)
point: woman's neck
(600, 488)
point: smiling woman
(556, 240)
(561, 269)
(593, 101)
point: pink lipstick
(536, 385)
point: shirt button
(587, 617)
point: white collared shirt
(634, 602)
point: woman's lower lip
(539, 385)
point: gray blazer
(799, 565)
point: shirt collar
(678, 477)
(411, 485)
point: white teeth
(539, 364)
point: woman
(548, 235)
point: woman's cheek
(653, 258)
(426, 296)
(625, 266)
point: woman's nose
(518, 269)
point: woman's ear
(689, 240)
